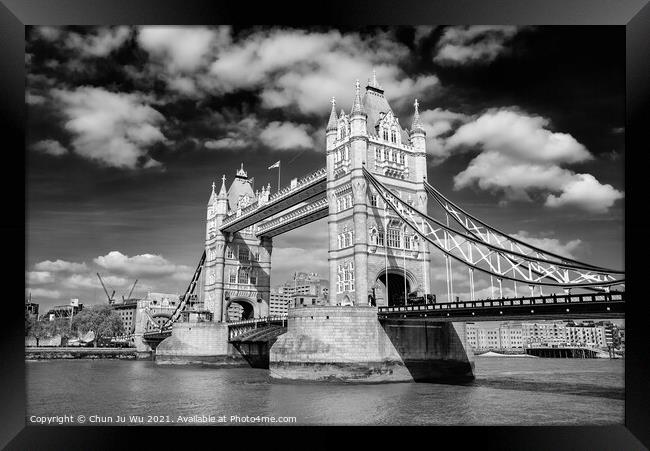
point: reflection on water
(506, 391)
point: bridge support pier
(199, 342)
(329, 343)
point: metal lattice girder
(491, 235)
(190, 290)
(491, 258)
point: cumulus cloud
(144, 265)
(114, 129)
(293, 67)
(226, 143)
(586, 192)
(285, 135)
(100, 43)
(183, 49)
(437, 124)
(473, 44)
(51, 147)
(553, 245)
(38, 277)
(521, 157)
(60, 266)
(75, 281)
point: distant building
(31, 309)
(127, 312)
(64, 311)
(279, 303)
(544, 333)
(305, 289)
(587, 334)
(494, 336)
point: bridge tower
(238, 265)
(372, 254)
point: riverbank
(49, 353)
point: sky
(128, 127)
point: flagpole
(279, 177)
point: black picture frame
(634, 15)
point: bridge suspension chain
(188, 293)
(510, 264)
(490, 235)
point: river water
(507, 391)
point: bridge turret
(417, 138)
(332, 127)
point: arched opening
(160, 319)
(397, 286)
(239, 309)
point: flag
(275, 165)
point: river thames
(507, 391)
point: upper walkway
(299, 191)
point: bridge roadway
(306, 189)
(586, 306)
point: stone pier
(199, 343)
(330, 343)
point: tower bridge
(382, 232)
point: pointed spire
(331, 124)
(357, 107)
(416, 126)
(222, 191)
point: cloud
(183, 49)
(286, 135)
(438, 123)
(553, 245)
(38, 277)
(521, 158)
(51, 147)
(585, 192)
(144, 265)
(60, 266)
(76, 281)
(226, 143)
(113, 129)
(520, 136)
(293, 67)
(43, 293)
(98, 44)
(473, 44)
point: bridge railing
(264, 319)
(506, 302)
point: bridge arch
(396, 285)
(160, 318)
(249, 308)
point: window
(373, 200)
(233, 276)
(408, 244)
(253, 278)
(385, 135)
(394, 236)
(243, 275)
(229, 253)
(401, 157)
(380, 238)
(377, 153)
(243, 254)
(393, 136)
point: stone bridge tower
(372, 254)
(237, 265)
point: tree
(40, 329)
(102, 320)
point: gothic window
(394, 236)
(230, 253)
(243, 275)
(385, 134)
(373, 200)
(401, 157)
(377, 153)
(393, 136)
(380, 238)
(408, 243)
(243, 254)
(253, 278)
(233, 276)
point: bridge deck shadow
(255, 346)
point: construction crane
(130, 292)
(110, 298)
